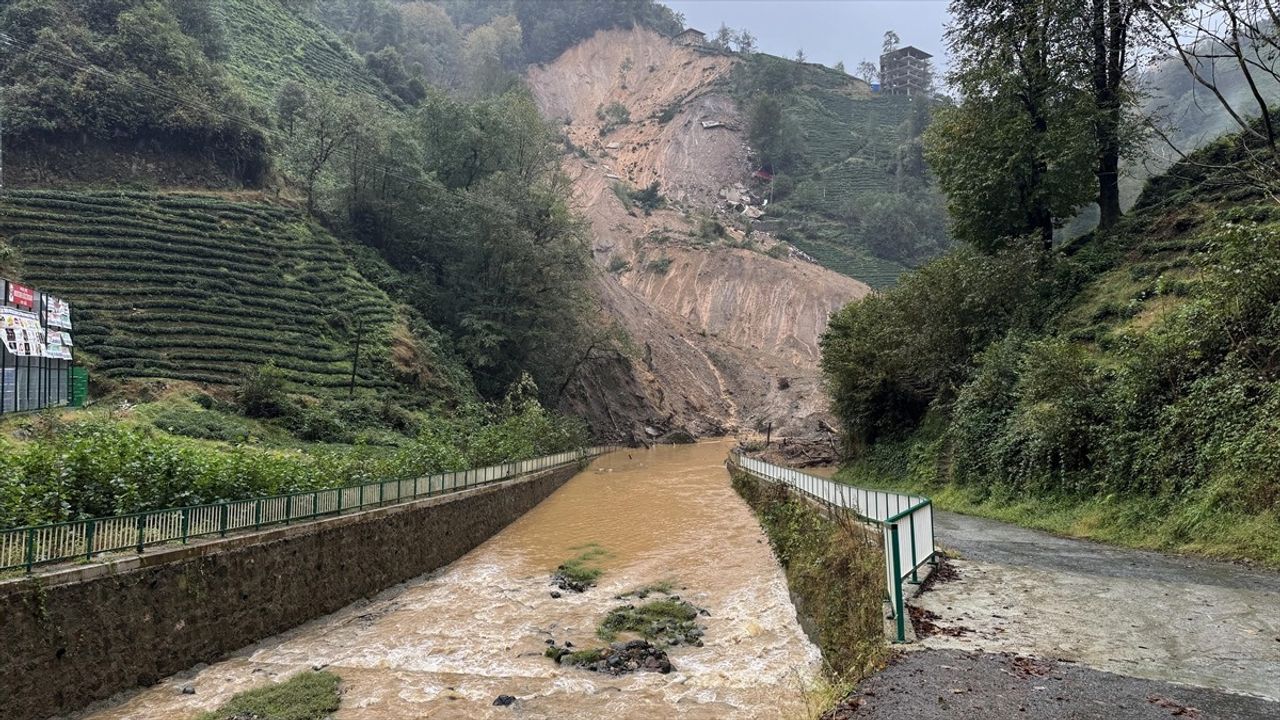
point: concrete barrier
(83, 634)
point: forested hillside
(279, 226)
(849, 183)
(1122, 385)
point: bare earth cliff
(724, 334)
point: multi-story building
(905, 71)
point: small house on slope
(691, 38)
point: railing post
(362, 496)
(315, 497)
(341, 491)
(898, 604)
(225, 512)
(288, 509)
(257, 514)
(142, 526)
(89, 528)
(914, 563)
(31, 548)
(186, 523)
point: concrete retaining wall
(75, 636)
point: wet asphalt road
(1042, 626)
(954, 685)
(996, 542)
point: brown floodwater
(447, 644)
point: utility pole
(355, 361)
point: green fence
(25, 548)
(906, 522)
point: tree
(746, 42)
(839, 66)
(770, 134)
(800, 55)
(868, 72)
(890, 43)
(1014, 157)
(1222, 41)
(323, 126)
(724, 37)
(1109, 26)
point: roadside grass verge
(306, 696)
(1189, 524)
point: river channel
(447, 644)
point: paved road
(952, 684)
(1141, 634)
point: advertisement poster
(21, 295)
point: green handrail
(27, 547)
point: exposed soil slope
(726, 336)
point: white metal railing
(906, 522)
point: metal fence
(24, 548)
(906, 522)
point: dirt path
(1041, 626)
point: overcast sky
(828, 30)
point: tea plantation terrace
(199, 288)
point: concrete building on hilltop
(905, 71)
(691, 38)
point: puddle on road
(448, 645)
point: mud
(1141, 614)
(725, 338)
(448, 645)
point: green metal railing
(906, 523)
(25, 548)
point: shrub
(262, 393)
(659, 266)
(619, 265)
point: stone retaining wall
(79, 635)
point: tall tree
(1109, 25)
(1014, 157)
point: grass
(835, 570)
(1185, 524)
(668, 621)
(583, 567)
(306, 696)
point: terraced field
(851, 142)
(199, 288)
(271, 45)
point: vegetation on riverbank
(193, 449)
(305, 696)
(836, 576)
(1123, 386)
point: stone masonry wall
(76, 636)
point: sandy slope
(726, 338)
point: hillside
(1124, 388)
(852, 192)
(200, 288)
(725, 332)
(270, 44)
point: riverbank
(450, 644)
(835, 572)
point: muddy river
(446, 645)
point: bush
(262, 394)
(659, 266)
(202, 424)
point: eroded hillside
(724, 321)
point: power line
(244, 123)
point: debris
(504, 700)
